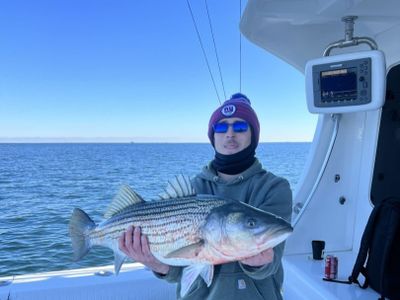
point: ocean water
(40, 184)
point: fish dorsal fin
(125, 197)
(179, 187)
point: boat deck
(303, 279)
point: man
(234, 173)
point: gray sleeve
(278, 200)
(174, 274)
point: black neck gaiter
(235, 163)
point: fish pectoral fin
(190, 274)
(118, 261)
(190, 251)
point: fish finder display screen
(338, 84)
(348, 82)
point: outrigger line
(215, 49)
(240, 49)
(204, 52)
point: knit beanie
(238, 106)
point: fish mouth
(275, 231)
(273, 237)
(282, 232)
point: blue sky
(134, 71)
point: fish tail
(79, 225)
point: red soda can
(328, 266)
(334, 268)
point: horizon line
(76, 140)
(98, 139)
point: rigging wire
(204, 52)
(240, 49)
(215, 47)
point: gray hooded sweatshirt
(260, 189)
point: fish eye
(251, 222)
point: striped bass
(183, 229)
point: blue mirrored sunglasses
(238, 126)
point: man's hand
(136, 246)
(265, 257)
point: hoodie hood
(208, 173)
